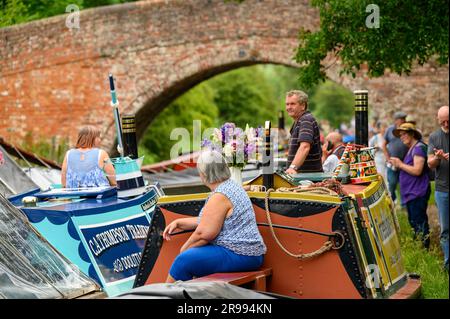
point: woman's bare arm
(108, 167)
(188, 223)
(64, 171)
(214, 214)
(415, 169)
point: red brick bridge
(53, 79)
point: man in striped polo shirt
(305, 152)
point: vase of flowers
(236, 145)
(236, 174)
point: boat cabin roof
(78, 202)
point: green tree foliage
(19, 11)
(248, 95)
(244, 97)
(196, 104)
(409, 31)
(282, 79)
(39, 9)
(97, 3)
(12, 12)
(332, 102)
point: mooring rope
(325, 247)
(301, 189)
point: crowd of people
(401, 157)
(226, 228)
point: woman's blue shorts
(209, 259)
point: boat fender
(29, 201)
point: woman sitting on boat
(226, 237)
(87, 165)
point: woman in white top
(87, 165)
(376, 142)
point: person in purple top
(415, 187)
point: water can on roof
(129, 176)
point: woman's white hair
(213, 166)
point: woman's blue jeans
(441, 199)
(418, 218)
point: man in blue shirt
(394, 147)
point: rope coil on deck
(315, 190)
(328, 245)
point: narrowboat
(322, 242)
(327, 235)
(31, 268)
(97, 230)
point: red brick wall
(54, 80)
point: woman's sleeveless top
(84, 172)
(239, 232)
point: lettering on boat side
(386, 228)
(125, 263)
(373, 278)
(149, 204)
(225, 308)
(112, 237)
(116, 246)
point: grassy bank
(428, 264)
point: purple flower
(250, 149)
(206, 143)
(259, 131)
(227, 132)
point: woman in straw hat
(414, 179)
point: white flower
(217, 136)
(228, 150)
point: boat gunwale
(98, 206)
(261, 195)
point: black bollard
(281, 120)
(268, 164)
(361, 117)
(129, 136)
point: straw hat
(408, 127)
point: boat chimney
(361, 117)
(129, 136)
(281, 120)
(267, 158)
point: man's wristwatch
(295, 168)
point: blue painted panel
(57, 236)
(116, 247)
(125, 165)
(119, 287)
(104, 237)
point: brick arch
(147, 111)
(53, 80)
